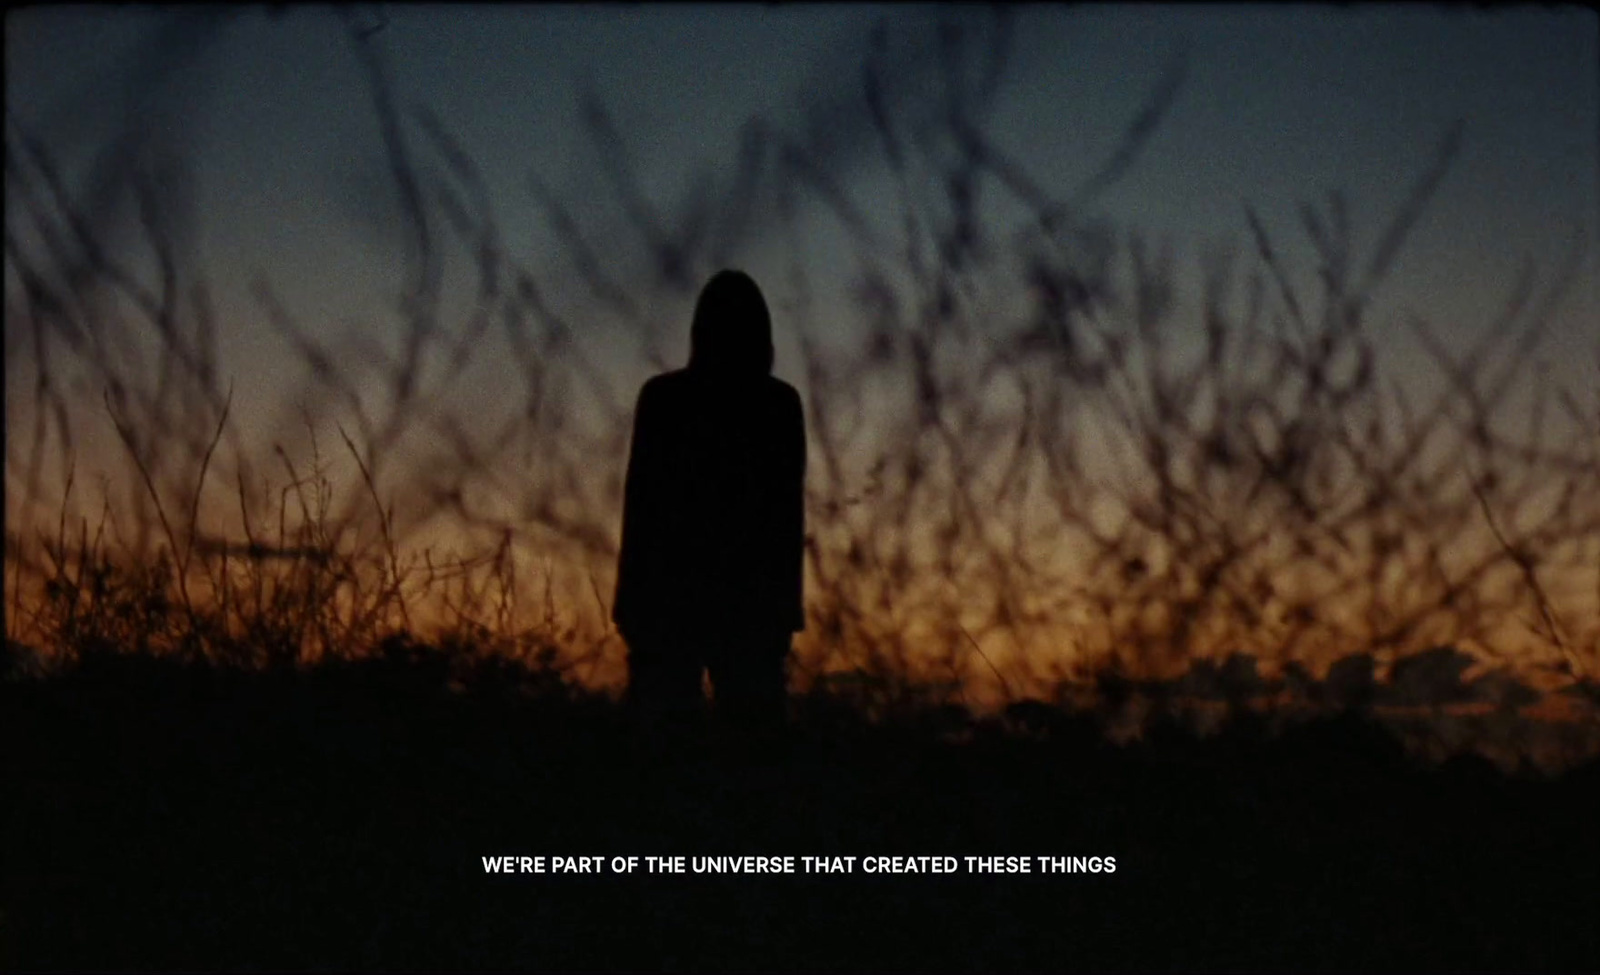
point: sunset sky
(268, 110)
(1280, 104)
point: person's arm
(795, 508)
(638, 517)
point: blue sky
(1280, 104)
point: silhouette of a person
(713, 522)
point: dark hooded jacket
(713, 521)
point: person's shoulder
(666, 384)
(664, 394)
(670, 378)
(781, 391)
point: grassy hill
(166, 816)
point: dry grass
(312, 683)
(1030, 465)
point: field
(167, 817)
(1287, 599)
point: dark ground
(158, 817)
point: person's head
(732, 330)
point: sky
(267, 110)
(1280, 104)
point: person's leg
(749, 679)
(664, 678)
